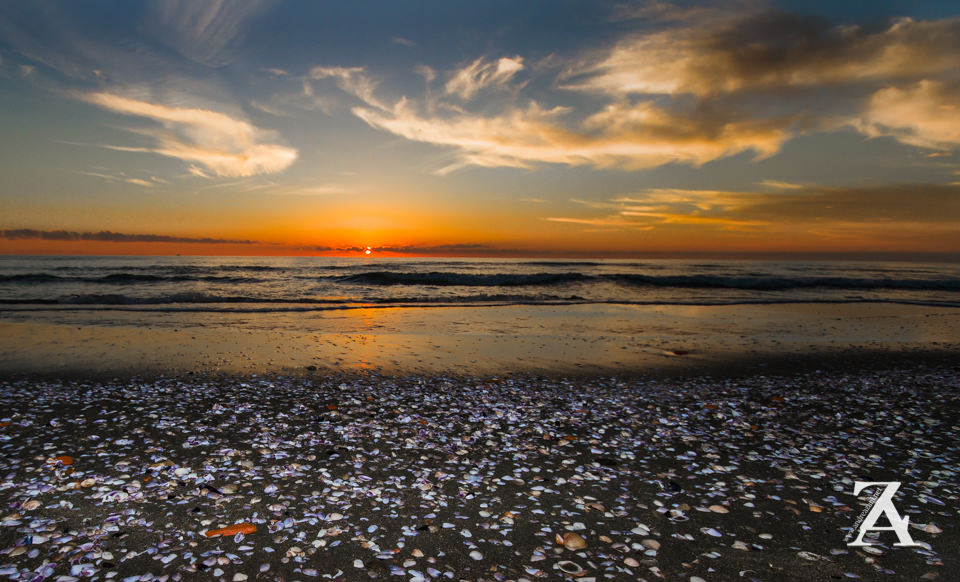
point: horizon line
(940, 257)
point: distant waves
(263, 283)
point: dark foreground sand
(452, 478)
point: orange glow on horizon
(651, 250)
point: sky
(495, 128)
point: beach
(459, 437)
(640, 291)
(469, 478)
(599, 339)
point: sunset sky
(483, 128)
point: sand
(680, 443)
(476, 479)
(568, 340)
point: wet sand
(541, 340)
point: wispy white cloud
(201, 30)
(101, 175)
(780, 185)
(617, 221)
(926, 115)
(56, 35)
(660, 11)
(281, 187)
(106, 175)
(631, 137)
(315, 190)
(212, 142)
(426, 72)
(403, 41)
(351, 80)
(197, 172)
(469, 80)
(270, 109)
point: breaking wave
(754, 283)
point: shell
(574, 541)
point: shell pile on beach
(440, 478)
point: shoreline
(631, 341)
(674, 368)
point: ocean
(238, 284)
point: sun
(368, 251)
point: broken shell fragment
(573, 541)
(62, 460)
(570, 567)
(244, 528)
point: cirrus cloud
(471, 79)
(201, 30)
(210, 141)
(622, 136)
(352, 80)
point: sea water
(323, 283)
